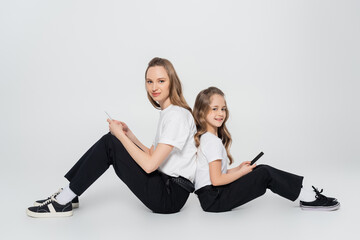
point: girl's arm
(148, 161)
(233, 169)
(238, 167)
(218, 178)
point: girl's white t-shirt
(211, 148)
(177, 128)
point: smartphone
(108, 115)
(256, 158)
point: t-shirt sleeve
(213, 150)
(175, 130)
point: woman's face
(157, 84)
(217, 113)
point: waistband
(181, 181)
(204, 189)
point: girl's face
(217, 113)
(157, 85)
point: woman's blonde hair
(201, 109)
(175, 89)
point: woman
(160, 176)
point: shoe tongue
(318, 195)
(317, 192)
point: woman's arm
(148, 161)
(132, 136)
(135, 140)
(218, 178)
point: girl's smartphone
(256, 158)
(108, 115)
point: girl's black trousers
(155, 190)
(253, 185)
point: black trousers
(155, 190)
(253, 185)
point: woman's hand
(115, 127)
(125, 127)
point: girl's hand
(115, 127)
(244, 163)
(246, 168)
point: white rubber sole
(48, 215)
(332, 208)
(74, 205)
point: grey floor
(290, 70)
(109, 210)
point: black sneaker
(321, 203)
(50, 208)
(75, 201)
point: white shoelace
(57, 193)
(47, 201)
(50, 200)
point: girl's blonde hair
(201, 109)
(175, 89)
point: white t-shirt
(177, 128)
(211, 148)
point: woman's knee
(110, 140)
(107, 136)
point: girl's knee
(263, 166)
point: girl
(160, 176)
(220, 189)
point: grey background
(289, 69)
